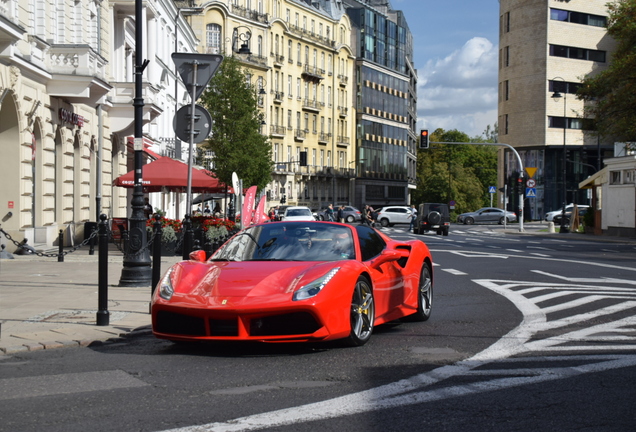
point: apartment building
(546, 48)
(300, 62)
(66, 113)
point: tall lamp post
(557, 95)
(137, 270)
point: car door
(387, 280)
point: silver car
(390, 215)
(487, 215)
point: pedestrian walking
(330, 213)
(341, 214)
(367, 217)
(413, 217)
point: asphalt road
(527, 332)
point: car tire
(424, 296)
(321, 218)
(469, 221)
(362, 313)
(445, 232)
(501, 220)
(384, 222)
(434, 218)
(351, 219)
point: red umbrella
(171, 174)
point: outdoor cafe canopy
(167, 173)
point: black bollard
(208, 247)
(60, 249)
(156, 254)
(188, 237)
(103, 316)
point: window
(371, 244)
(578, 18)
(565, 122)
(213, 39)
(615, 177)
(289, 49)
(289, 86)
(563, 86)
(577, 53)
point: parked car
(568, 216)
(352, 214)
(487, 215)
(298, 213)
(549, 216)
(391, 215)
(432, 216)
(295, 282)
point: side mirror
(198, 255)
(385, 257)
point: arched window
(213, 39)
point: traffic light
(303, 158)
(519, 186)
(283, 200)
(424, 139)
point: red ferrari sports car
(295, 281)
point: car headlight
(313, 288)
(165, 286)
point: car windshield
(289, 241)
(298, 212)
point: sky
(456, 56)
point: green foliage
(168, 234)
(456, 172)
(236, 141)
(611, 94)
(588, 218)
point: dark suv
(432, 216)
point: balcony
(279, 60)
(122, 112)
(278, 96)
(313, 73)
(343, 111)
(249, 14)
(277, 131)
(253, 59)
(343, 79)
(300, 134)
(311, 105)
(323, 138)
(342, 140)
(78, 73)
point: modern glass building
(386, 103)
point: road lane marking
(455, 272)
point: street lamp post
(136, 267)
(557, 95)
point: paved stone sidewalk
(48, 304)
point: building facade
(299, 60)
(546, 47)
(66, 89)
(386, 104)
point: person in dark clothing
(148, 210)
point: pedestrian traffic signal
(283, 200)
(424, 139)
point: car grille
(284, 325)
(179, 324)
(296, 323)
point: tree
(236, 141)
(456, 172)
(611, 94)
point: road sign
(530, 171)
(207, 65)
(492, 189)
(531, 193)
(202, 123)
(531, 183)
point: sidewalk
(48, 304)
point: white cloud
(460, 91)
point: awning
(166, 173)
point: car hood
(247, 278)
